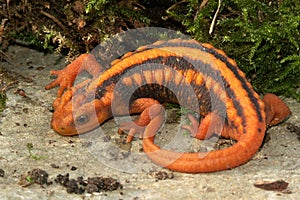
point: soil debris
(2, 173)
(91, 185)
(280, 185)
(55, 166)
(37, 176)
(77, 186)
(161, 175)
(295, 129)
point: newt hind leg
(210, 125)
(276, 110)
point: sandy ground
(27, 120)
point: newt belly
(195, 75)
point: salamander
(192, 74)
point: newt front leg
(66, 77)
(149, 108)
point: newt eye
(82, 119)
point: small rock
(2, 173)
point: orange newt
(195, 75)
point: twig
(54, 19)
(174, 5)
(203, 3)
(214, 19)
(5, 57)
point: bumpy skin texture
(276, 109)
(195, 75)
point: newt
(192, 74)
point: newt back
(199, 77)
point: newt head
(78, 111)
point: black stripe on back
(224, 59)
(233, 68)
(179, 63)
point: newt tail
(194, 75)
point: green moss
(33, 156)
(33, 40)
(111, 11)
(262, 36)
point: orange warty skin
(164, 72)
